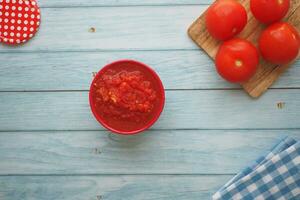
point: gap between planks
(122, 6)
(151, 130)
(116, 174)
(198, 89)
(16, 51)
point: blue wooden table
(51, 147)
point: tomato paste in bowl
(127, 97)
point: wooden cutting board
(267, 73)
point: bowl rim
(156, 116)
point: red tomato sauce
(127, 98)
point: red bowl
(143, 68)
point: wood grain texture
(153, 152)
(207, 109)
(110, 187)
(80, 3)
(267, 73)
(117, 28)
(73, 70)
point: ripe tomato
(225, 18)
(279, 43)
(237, 60)
(269, 11)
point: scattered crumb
(92, 30)
(97, 151)
(94, 74)
(99, 197)
(280, 105)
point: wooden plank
(154, 152)
(78, 3)
(110, 187)
(158, 27)
(267, 73)
(191, 109)
(73, 70)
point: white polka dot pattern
(19, 20)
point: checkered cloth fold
(275, 176)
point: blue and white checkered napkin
(275, 176)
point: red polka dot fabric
(19, 20)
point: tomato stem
(238, 63)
